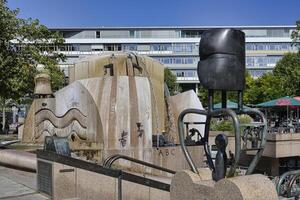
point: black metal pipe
(240, 100)
(110, 160)
(206, 145)
(224, 99)
(107, 160)
(210, 100)
(120, 188)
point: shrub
(225, 124)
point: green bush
(226, 124)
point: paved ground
(18, 185)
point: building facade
(176, 47)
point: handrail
(111, 159)
(92, 167)
(295, 173)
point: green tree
(283, 81)
(25, 44)
(170, 80)
(296, 33)
(264, 88)
(288, 71)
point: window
(161, 47)
(284, 46)
(158, 34)
(178, 60)
(97, 34)
(268, 32)
(112, 47)
(191, 33)
(131, 34)
(114, 34)
(249, 62)
(250, 46)
(258, 73)
(185, 73)
(130, 47)
(262, 61)
(143, 47)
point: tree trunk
(3, 115)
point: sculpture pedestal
(188, 185)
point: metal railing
(84, 165)
(286, 184)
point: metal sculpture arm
(181, 136)
(209, 115)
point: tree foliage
(25, 44)
(288, 71)
(296, 33)
(264, 88)
(170, 80)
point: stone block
(249, 187)
(188, 185)
(133, 191)
(159, 194)
(64, 182)
(93, 186)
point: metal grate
(44, 177)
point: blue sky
(83, 13)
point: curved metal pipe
(209, 115)
(206, 144)
(111, 159)
(181, 135)
(107, 160)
